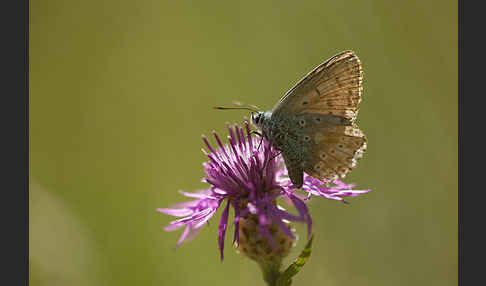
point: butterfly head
(260, 118)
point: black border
(471, 110)
(14, 22)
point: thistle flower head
(248, 175)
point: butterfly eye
(255, 118)
(306, 138)
(302, 122)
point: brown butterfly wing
(334, 150)
(334, 88)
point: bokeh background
(121, 92)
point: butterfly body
(313, 124)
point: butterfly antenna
(233, 108)
(238, 103)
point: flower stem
(271, 273)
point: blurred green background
(121, 92)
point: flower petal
(223, 223)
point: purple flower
(248, 175)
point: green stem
(271, 272)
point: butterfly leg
(260, 144)
(273, 157)
(259, 134)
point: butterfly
(313, 124)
